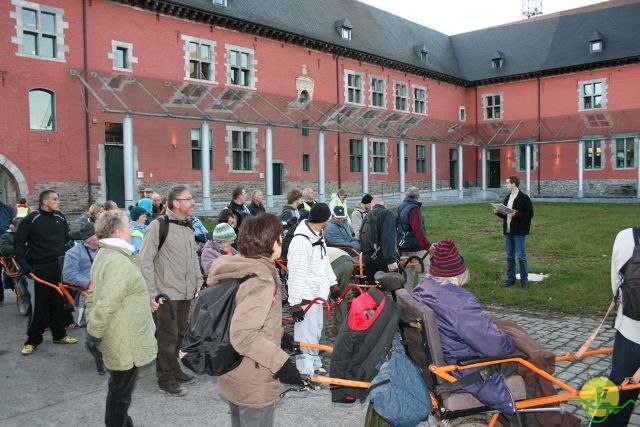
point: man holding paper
(516, 222)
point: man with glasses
(173, 270)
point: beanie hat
(136, 212)
(320, 213)
(223, 233)
(87, 229)
(147, 204)
(366, 199)
(446, 261)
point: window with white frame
(593, 150)
(40, 30)
(406, 158)
(240, 66)
(355, 155)
(220, 2)
(462, 113)
(421, 158)
(624, 150)
(593, 94)
(492, 106)
(242, 150)
(521, 156)
(196, 150)
(353, 84)
(42, 111)
(378, 92)
(306, 162)
(122, 56)
(379, 156)
(199, 59)
(401, 96)
(419, 100)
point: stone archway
(13, 184)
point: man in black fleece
(386, 259)
(40, 239)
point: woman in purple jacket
(222, 238)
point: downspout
(538, 132)
(87, 116)
(339, 133)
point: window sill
(43, 58)
(253, 88)
(209, 82)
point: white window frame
(188, 40)
(521, 155)
(195, 137)
(129, 60)
(379, 156)
(345, 33)
(592, 143)
(51, 106)
(58, 36)
(420, 97)
(582, 94)
(462, 113)
(421, 158)
(251, 151)
(355, 155)
(489, 105)
(628, 139)
(595, 46)
(375, 91)
(353, 93)
(220, 2)
(250, 68)
(400, 95)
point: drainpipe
(339, 133)
(85, 96)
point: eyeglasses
(188, 198)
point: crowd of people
(144, 267)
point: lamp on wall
(173, 142)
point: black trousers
(169, 334)
(121, 385)
(371, 268)
(50, 308)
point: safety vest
(22, 211)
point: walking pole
(589, 340)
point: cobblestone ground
(561, 334)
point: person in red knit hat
(447, 266)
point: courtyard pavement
(58, 384)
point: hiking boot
(508, 283)
(28, 349)
(66, 340)
(173, 389)
(185, 379)
(524, 285)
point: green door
(114, 173)
(277, 179)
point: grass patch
(570, 242)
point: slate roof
(553, 43)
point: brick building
(100, 98)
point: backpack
(363, 342)
(206, 347)
(630, 286)
(163, 230)
(287, 235)
(369, 236)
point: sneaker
(173, 389)
(27, 349)
(508, 283)
(185, 379)
(66, 340)
(320, 371)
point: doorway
(494, 169)
(453, 168)
(114, 173)
(277, 179)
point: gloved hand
(25, 268)
(335, 293)
(289, 374)
(201, 238)
(297, 313)
(287, 342)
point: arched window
(42, 113)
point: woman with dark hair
(226, 215)
(253, 388)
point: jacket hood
(237, 267)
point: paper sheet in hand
(503, 209)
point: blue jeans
(515, 244)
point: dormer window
(220, 2)
(421, 52)
(344, 28)
(498, 60)
(595, 43)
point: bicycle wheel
(22, 296)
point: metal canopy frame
(193, 100)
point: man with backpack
(378, 240)
(412, 238)
(170, 266)
(625, 362)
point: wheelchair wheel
(22, 296)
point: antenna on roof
(531, 8)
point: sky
(459, 16)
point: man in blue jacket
(338, 233)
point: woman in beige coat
(253, 388)
(118, 314)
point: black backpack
(630, 286)
(287, 235)
(369, 236)
(206, 347)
